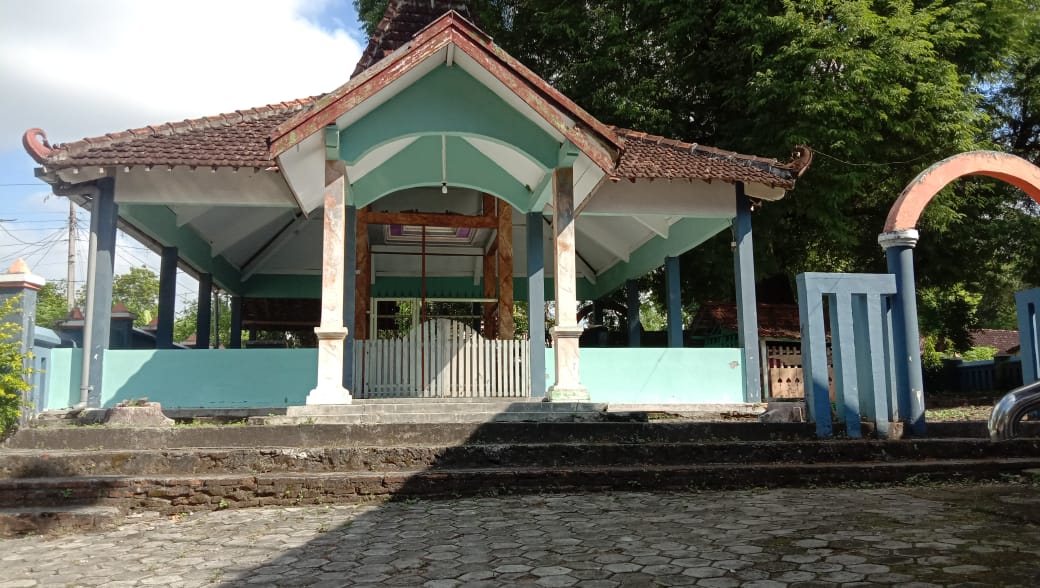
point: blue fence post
(205, 312)
(167, 298)
(747, 303)
(673, 301)
(104, 217)
(634, 327)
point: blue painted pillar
(635, 329)
(673, 301)
(1027, 302)
(235, 341)
(101, 259)
(349, 285)
(167, 298)
(536, 300)
(906, 339)
(747, 303)
(205, 312)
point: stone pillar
(167, 298)
(205, 312)
(747, 303)
(101, 249)
(536, 301)
(673, 301)
(906, 339)
(566, 333)
(635, 329)
(506, 328)
(349, 285)
(329, 389)
(22, 284)
(235, 341)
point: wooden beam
(506, 326)
(430, 219)
(363, 285)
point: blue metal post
(101, 259)
(205, 312)
(747, 304)
(536, 301)
(167, 298)
(1027, 303)
(235, 341)
(349, 285)
(673, 301)
(909, 380)
(634, 327)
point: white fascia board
(303, 166)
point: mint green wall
(659, 375)
(178, 378)
(232, 378)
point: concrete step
(471, 416)
(404, 434)
(16, 464)
(172, 494)
(58, 519)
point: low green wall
(210, 378)
(659, 376)
(233, 378)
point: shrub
(13, 370)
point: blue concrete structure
(1028, 301)
(349, 287)
(236, 323)
(104, 215)
(635, 330)
(909, 378)
(858, 306)
(536, 301)
(673, 301)
(747, 304)
(205, 311)
(167, 297)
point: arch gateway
(443, 171)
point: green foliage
(51, 304)
(980, 353)
(14, 370)
(138, 289)
(950, 315)
(186, 323)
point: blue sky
(79, 68)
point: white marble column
(331, 333)
(565, 334)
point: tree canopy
(879, 89)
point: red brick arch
(1009, 168)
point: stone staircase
(69, 478)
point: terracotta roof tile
(654, 157)
(237, 139)
(1001, 340)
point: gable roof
(1002, 340)
(254, 137)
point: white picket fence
(442, 359)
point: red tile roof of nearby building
(243, 138)
(775, 321)
(1001, 340)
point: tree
(879, 89)
(138, 290)
(51, 304)
(13, 368)
(186, 322)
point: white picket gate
(442, 359)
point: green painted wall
(655, 375)
(211, 378)
(232, 378)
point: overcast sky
(79, 68)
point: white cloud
(86, 67)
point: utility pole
(70, 277)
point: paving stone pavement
(911, 537)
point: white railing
(442, 358)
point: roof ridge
(78, 147)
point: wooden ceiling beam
(430, 219)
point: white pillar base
(568, 386)
(330, 388)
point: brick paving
(910, 536)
